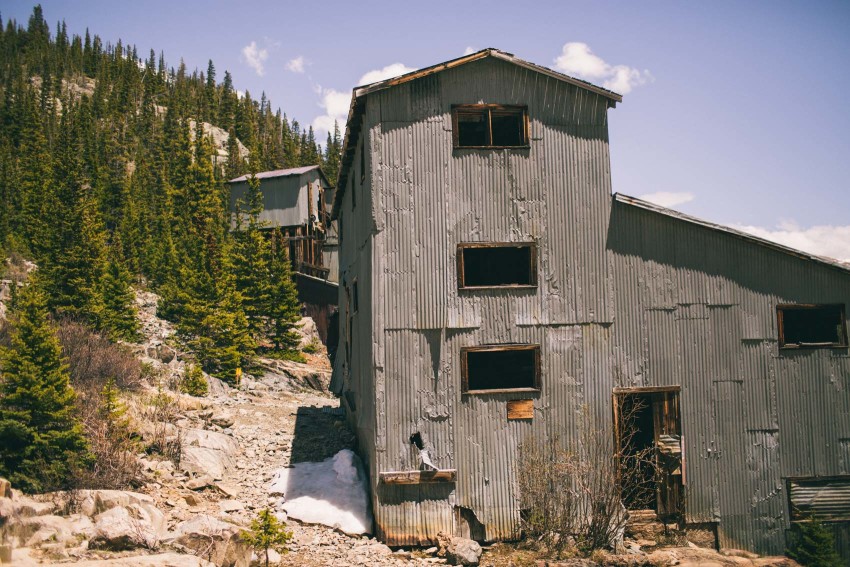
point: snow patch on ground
(332, 492)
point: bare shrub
(112, 443)
(574, 495)
(93, 359)
(162, 437)
(100, 370)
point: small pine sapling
(194, 383)
(267, 532)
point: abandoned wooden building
(492, 287)
(297, 202)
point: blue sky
(734, 111)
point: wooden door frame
(618, 394)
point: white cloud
(469, 50)
(668, 198)
(822, 240)
(577, 59)
(335, 103)
(392, 70)
(296, 65)
(255, 56)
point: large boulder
(121, 528)
(214, 540)
(308, 330)
(459, 550)
(93, 502)
(207, 453)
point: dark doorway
(649, 444)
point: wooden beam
(418, 477)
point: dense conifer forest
(108, 176)
(111, 179)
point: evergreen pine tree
(284, 308)
(41, 443)
(251, 260)
(119, 317)
(814, 545)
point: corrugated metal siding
(428, 199)
(285, 201)
(828, 500)
(698, 307)
(626, 297)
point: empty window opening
(490, 126)
(811, 326)
(355, 297)
(500, 264)
(500, 368)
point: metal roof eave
(658, 209)
(290, 172)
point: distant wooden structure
(297, 202)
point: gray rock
(222, 419)
(93, 502)
(462, 551)
(205, 462)
(214, 540)
(199, 483)
(159, 560)
(132, 527)
(258, 559)
(231, 505)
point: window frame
(780, 324)
(461, 276)
(488, 108)
(464, 368)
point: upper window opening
(811, 326)
(500, 367)
(362, 165)
(497, 264)
(490, 126)
(355, 297)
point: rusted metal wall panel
(752, 415)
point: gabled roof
(359, 94)
(283, 173)
(489, 52)
(646, 205)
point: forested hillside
(106, 177)
(111, 183)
